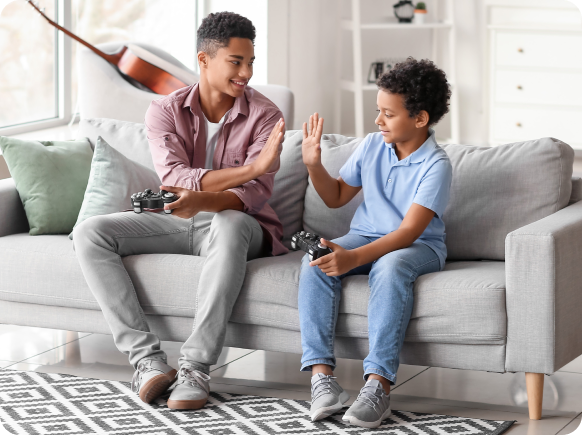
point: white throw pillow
(129, 138)
(112, 180)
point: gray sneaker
(327, 397)
(151, 379)
(371, 407)
(191, 390)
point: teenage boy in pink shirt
(216, 145)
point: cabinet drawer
(542, 49)
(517, 124)
(532, 87)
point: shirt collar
(423, 152)
(241, 105)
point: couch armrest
(12, 217)
(544, 292)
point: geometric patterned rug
(53, 404)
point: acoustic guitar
(136, 64)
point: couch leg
(535, 391)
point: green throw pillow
(51, 178)
(113, 179)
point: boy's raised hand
(310, 147)
(271, 150)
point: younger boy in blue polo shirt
(396, 235)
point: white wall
(302, 44)
(304, 47)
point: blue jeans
(391, 280)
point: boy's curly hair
(217, 29)
(423, 86)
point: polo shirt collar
(421, 153)
(425, 149)
(192, 100)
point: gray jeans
(227, 239)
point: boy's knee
(91, 231)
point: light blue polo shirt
(390, 187)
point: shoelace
(136, 380)
(194, 377)
(368, 396)
(321, 386)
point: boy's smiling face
(394, 120)
(231, 68)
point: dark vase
(404, 11)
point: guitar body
(150, 76)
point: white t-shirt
(212, 134)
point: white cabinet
(535, 74)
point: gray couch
(509, 299)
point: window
(28, 64)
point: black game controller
(150, 200)
(309, 243)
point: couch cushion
(290, 185)
(317, 218)
(463, 304)
(44, 270)
(500, 189)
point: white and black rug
(52, 404)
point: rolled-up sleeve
(435, 187)
(255, 193)
(168, 151)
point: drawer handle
(520, 87)
(518, 124)
(520, 50)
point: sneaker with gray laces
(191, 390)
(327, 397)
(151, 379)
(371, 407)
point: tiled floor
(422, 389)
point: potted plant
(419, 13)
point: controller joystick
(309, 243)
(150, 200)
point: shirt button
(389, 180)
(236, 161)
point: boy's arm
(222, 179)
(341, 260)
(255, 193)
(335, 193)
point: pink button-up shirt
(176, 133)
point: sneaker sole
(186, 404)
(367, 424)
(156, 386)
(326, 411)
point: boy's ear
(422, 119)
(202, 59)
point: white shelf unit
(358, 86)
(535, 65)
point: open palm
(311, 147)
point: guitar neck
(112, 58)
